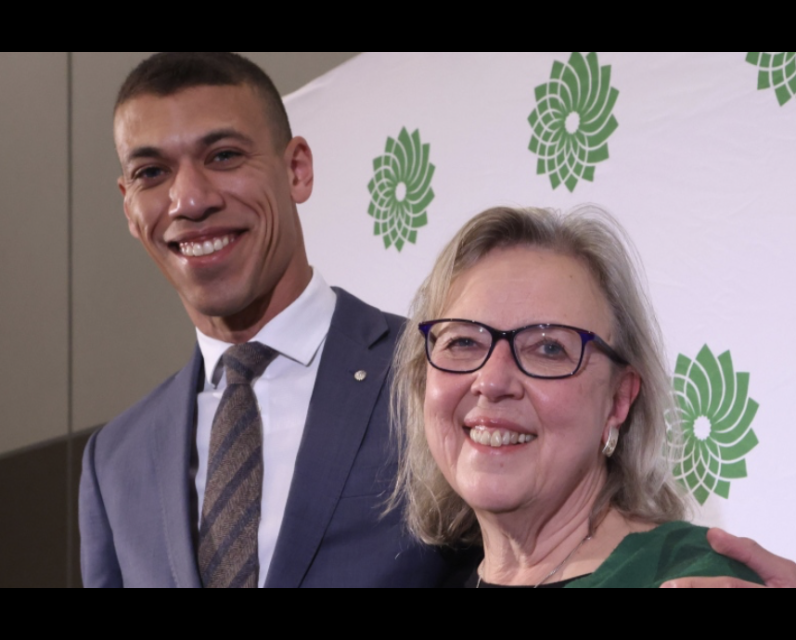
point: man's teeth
(206, 248)
(498, 437)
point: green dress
(672, 550)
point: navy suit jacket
(138, 516)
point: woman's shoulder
(671, 550)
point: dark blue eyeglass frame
(497, 335)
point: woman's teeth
(206, 248)
(498, 437)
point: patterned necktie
(228, 556)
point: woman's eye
(551, 349)
(464, 343)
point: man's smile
(206, 245)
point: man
(181, 490)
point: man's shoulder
(134, 425)
(362, 321)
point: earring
(610, 445)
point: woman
(533, 397)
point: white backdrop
(700, 169)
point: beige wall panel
(33, 261)
(130, 330)
(291, 70)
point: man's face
(210, 197)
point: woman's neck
(549, 543)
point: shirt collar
(296, 333)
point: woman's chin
(493, 494)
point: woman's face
(565, 422)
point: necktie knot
(245, 362)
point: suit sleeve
(98, 561)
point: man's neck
(245, 325)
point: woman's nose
(500, 377)
(193, 195)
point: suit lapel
(338, 418)
(174, 441)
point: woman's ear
(627, 388)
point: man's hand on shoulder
(776, 572)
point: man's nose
(500, 377)
(192, 194)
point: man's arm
(99, 565)
(776, 572)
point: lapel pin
(360, 376)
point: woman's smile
(495, 438)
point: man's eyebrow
(143, 152)
(222, 134)
(207, 140)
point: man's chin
(216, 308)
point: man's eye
(225, 156)
(148, 173)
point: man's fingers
(709, 583)
(775, 571)
(743, 550)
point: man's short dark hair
(169, 72)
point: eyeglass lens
(544, 352)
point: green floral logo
(400, 190)
(716, 415)
(573, 120)
(776, 71)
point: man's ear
(130, 224)
(627, 389)
(298, 160)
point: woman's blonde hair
(640, 483)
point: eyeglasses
(541, 351)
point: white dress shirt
(283, 392)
